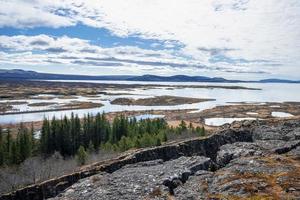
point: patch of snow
(222, 121)
(281, 114)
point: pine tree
(91, 148)
(137, 143)
(45, 137)
(14, 153)
(122, 144)
(158, 142)
(8, 140)
(115, 130)
(98, 131)
(78, 132)
(182, 125)
(54, 143)
(73, 134)
(1, 148)
(81, 156)
(108, 131)
(33, 146)
(23, 143)
(200, 131)
(66, 148)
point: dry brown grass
(277, 184)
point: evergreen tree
(66, 147)
(81, 156)
(45, 137)
(182, 125)
(73, 134)
(8, 140)
(158, 142)
(115, 130)
(14, 153)
(122, 144)
(91, 148)
(1, 148)
(106, 129)
(54, 143)
(68, 134)
(200, 131)
(23, 143)
(137, 143)
(98, 131)
(33, 145)
(78, 132)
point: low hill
(32, 75)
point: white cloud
(25, 14)
(256, 30)
(45, 50)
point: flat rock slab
(287, 131)
(137, 181)
(229, 152)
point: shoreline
(25, 89)
(174, 117)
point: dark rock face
(247, 160)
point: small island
(159, 101)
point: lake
(270, 92)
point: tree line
(14, 150)
(72, 136)
(67, 135)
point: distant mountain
(274, 80)
(22, 74)
(32, 75)
(180, 78)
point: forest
(79, 137)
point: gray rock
(270, 176)
(153, 179)
(229, 152)
(284, 131)
(295, 153)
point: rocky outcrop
(240, 161)
(139, 181)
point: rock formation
(246, 160)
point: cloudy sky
(249, 39)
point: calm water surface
(271, 92)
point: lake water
(147, 116)
(281, 114)
(270, 92)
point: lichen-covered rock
(273, 177)
(152, 180)
(287, 131)
(295, 153)
(196, 188)
(229, 152)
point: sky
(238, 39)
